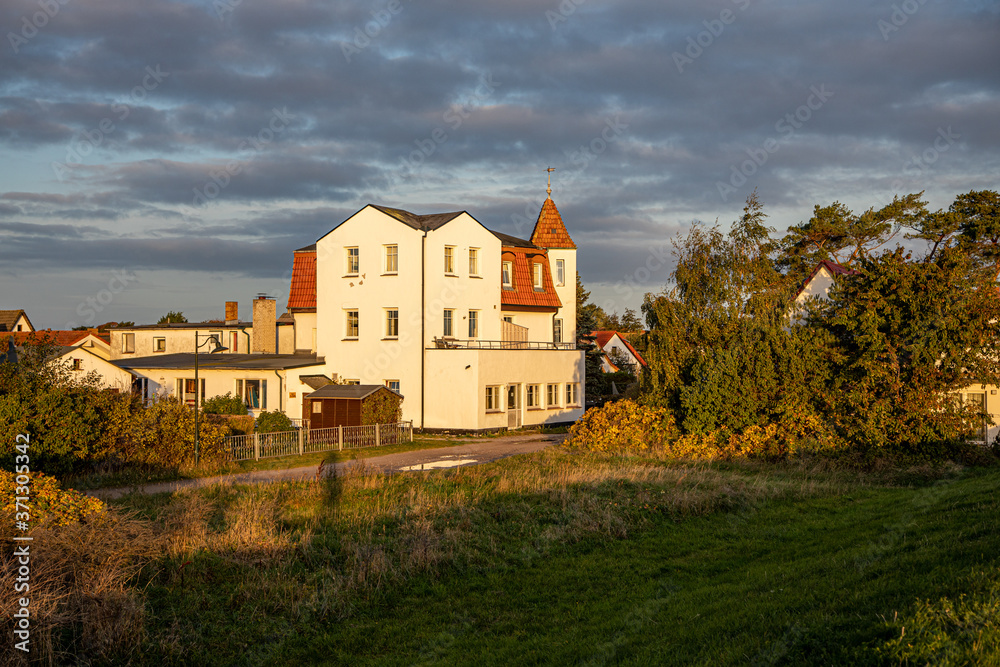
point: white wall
(565, 292)
(178, 340)
(112, 376)
(305, 331)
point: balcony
(477, 344)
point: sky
(172, 154)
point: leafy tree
(980, 226)
(172, 318)
(903, 337)
(630, 321)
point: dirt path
(474, 453)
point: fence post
(377, 443)
(302, 440)
(340, 437)
(256, 446)
(411, 430)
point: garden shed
(351, 405)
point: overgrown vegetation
(273, 422)
(877, 368)
(563, 557)
(224, 404)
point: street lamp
(197, 386)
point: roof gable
(9, 318)
(302, 292)
(550, 232)
(605, 337)
(832, 267)
(58, 338)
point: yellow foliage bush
(48, 504)
(623, 426)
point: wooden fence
(306, 441)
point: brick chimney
(232, 312)
(264, 326)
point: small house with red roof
(619, 354)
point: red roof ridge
(603, 336)
(831, 266)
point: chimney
(232, 312)
(264, 325)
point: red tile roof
(550, 232)
(604, 337)
(524, 293)
(61, 338)
(302, 295)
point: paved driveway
(474, 453)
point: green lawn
(559, 559)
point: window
(448, 318)
(253, 392)
(391, 258)
(19, 326)
(353, 261)
(553, 396)
(473, 324)
(78, 364)
(234, 341)
(189, 393)
(217, 341)
(128, 343)
(556, 331)
(352, 324)
(473, 261)
(537, 275)
(159, 345)
(317, 407)
(493, 399)
(508, 318)
(534, 396)
(393, 384)
(354, 382)
(449, 259)
(571, 394)
(508, 275)
(977, 401)
(560, 272)
(391, 323)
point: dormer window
(537, 275)
(508, 275)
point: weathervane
(549, 188)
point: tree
(980, 226)
(588, 319)
(904, 336)
(172, 318)
(630, 321)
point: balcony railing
(476, 344)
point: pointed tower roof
(550, 232)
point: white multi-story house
(476, 329)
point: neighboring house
(616, 347)
(15, 320)
(818, 285)
(264, 381)
(79, 351)
(90, 339)
(274, 336)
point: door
(514, 406)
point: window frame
(493, 395)
(128, 343)
(347, 323)
(389, 383)
(560, 272)
(159, 344)
(448, 323)
(352, 257)
(391, 324)
(473, 324)
(474, 262)
(557, 330)
(552, 392)
(573, 394)
(390, 252)
(507, 274)
(243, 389)
(537, 278)
(449, 260)
(533, 396)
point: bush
(273, 422)
(225, 404)
(49, 504)
(623, 427)
(382, 408)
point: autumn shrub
(49, 504)
(224, 404)
(382, 408)
(273, 422)
(623, 426)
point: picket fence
(306, 440)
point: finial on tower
(548, 190)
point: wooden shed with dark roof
(344, 404)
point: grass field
(563, 558)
